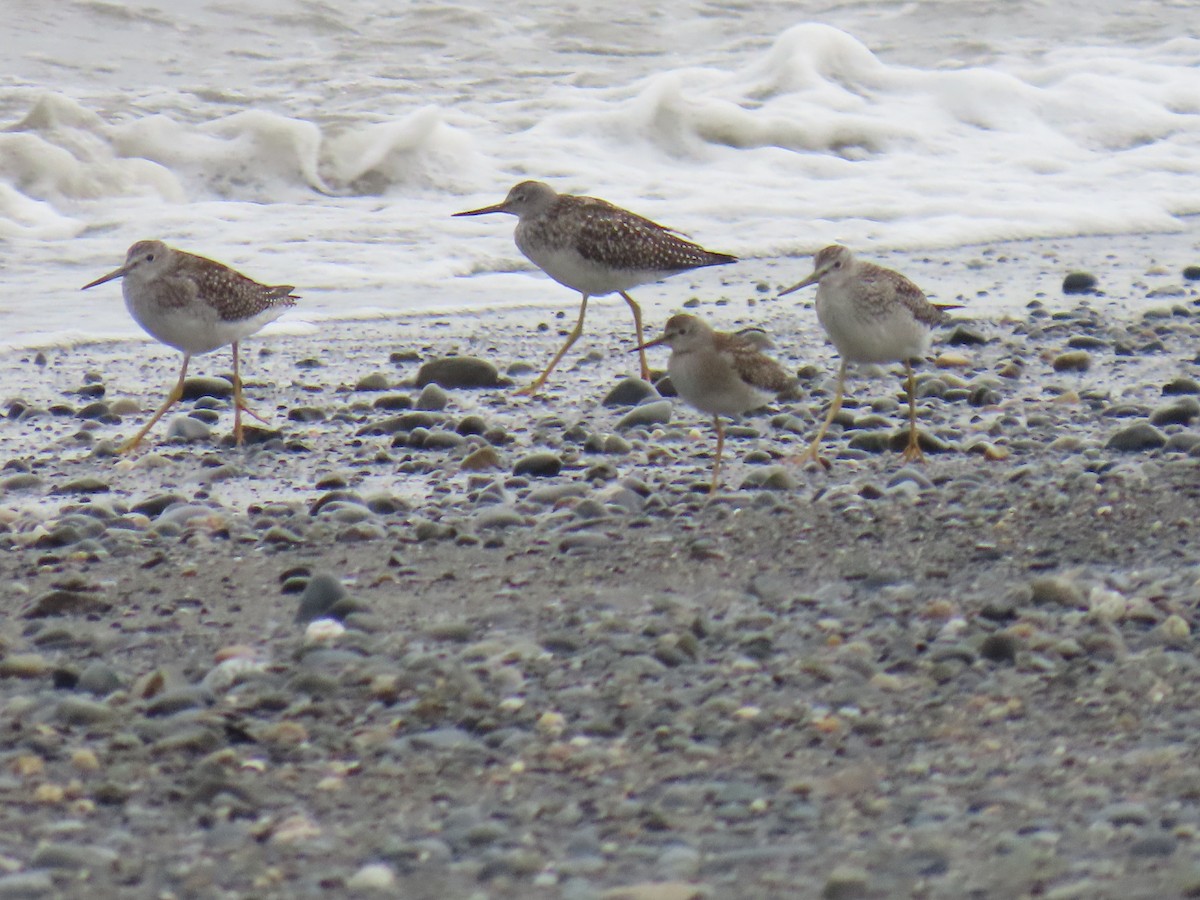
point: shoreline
(575, 674)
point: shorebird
(720, 373)
(194, 305)
(872, 315)
(595, 248)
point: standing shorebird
(595, 248)
(719, 373)
(872, 315)
(194, 305)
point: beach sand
(562, 669)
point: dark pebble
(540, 464)
(1137, 437)
(1181, 385)
(320, 595)
(1179, 412)
(962, 336)
(205, 386)
(458, 372)
(1192, 273)
(629, 392)
(1079, 283)
(1000, 647)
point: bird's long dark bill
(658, 341)
(811, 279)
(495, 208)
(116, 273)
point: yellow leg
(716, 476)
(571, 339)
(172, 399)
(637, 324)
(912, 453)
(239, 401)
(813, 451)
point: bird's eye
(149, 257)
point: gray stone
(630, 392)
(432, 397)
(198, 386)
(320, 594)
(1079, 283)
(540, 464)
(656, 412)
(1139, 436)
(458, 372)
(188, 429)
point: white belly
(871, 335)
(710, 384)
(193, 329)
(569, 268)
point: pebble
(1140, 436)
(376, 381)
(482, 459)
(1179, 412)
(540, 464)
(188, 429)
(320, 594)
(846, 883)
(22, 885)
(1072, 361)
(454, 372)
(372, 877)
(432, 397)
(197, 386)
(1079, 283)
(1054, 590)
(655, 412)
(629, 392)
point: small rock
(1055, 590)
(432, 397)
(1072, 361)
(1179, 412)
(376, 381)
(198, 386)
(846, 883)
(630, 392)
(962, 336)
(540, 464)
(1079, 283)
(372, 877)
(1139, 436)
(1192, 273)
(458, 372)
(320, 595)
(656, 412)
(87, 484)
(1000, 647)
(482, 460)
(188, 429)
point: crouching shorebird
(595, 248)
(719, 373)
(872, 315)
(194, 305)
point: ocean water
(326, 144)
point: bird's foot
(913, 452)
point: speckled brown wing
(890, 286)
(619, 239)
(232, 294)
(752, 366)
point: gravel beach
(442, 641)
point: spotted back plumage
(233, 295)
(614, 237)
